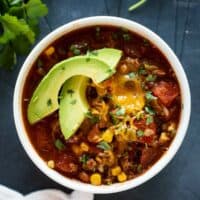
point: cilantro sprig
(18, 28)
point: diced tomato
(141, 125)
(166, 92)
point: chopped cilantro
(18, 27)
(98, 29)
(75, 50)
(126, 37)
(149, 96)
(132, 75)
(59, 144)
(149, 110)
(120, 111)
(73, 102)
(84, 158)
(142, 70)
(139, 168)
(151, 78)
(149, 120)
(114, 120)
(140, 133)
(70, 91)
(93, 118)
(104, 145)
(109, 71)
(146, 42)
(49, 102)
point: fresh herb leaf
(75, 50)
(49, 102)
(149, 120)
(146, 42)
(18, 28)
(139, 168)
(151, 78)
(98, 29)
(114, 119)
(109, 71)
(12, 27)
(139, 133)
(142, 70)
(93, 118)
(59, 144)
(104, 145)
(149, 110)
(132, 75)
(84, 158)
(73, 102)
(126, 37)
(136, 5)
(120, 111)
(70, 91)
(149, 96)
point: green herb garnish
(59, 144)
(104, 145)
(149, 110)
(136, 5)
(142, 70)
(126, 37)
(120, 111)
(139, 168)
(84, 158)
(75, 50)
(98, 31)
(149, 96)
(93, 118)
(149, 120)
(19, 28)
(140, 133)
(73, 102)
(114, 119)
(151, 78)
(70, 91)
(132, 75)
(49, 102)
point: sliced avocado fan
(98, 66)
(73, 105)
(73, 102)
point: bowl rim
(134, 27)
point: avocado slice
(73, 105)
(45, 98)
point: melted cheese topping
(132, 99)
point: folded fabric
(50, 194)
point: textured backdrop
(178, 23)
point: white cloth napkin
(47, 194)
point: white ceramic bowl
(132, 26)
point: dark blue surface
(178, 23)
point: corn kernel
(49, 51)
(163, 137)
(171, 127)
(51, 164)
(76, 149)
(84, 146)
(107, 136)
(116, 171)
(95, 179)
(122, 177)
